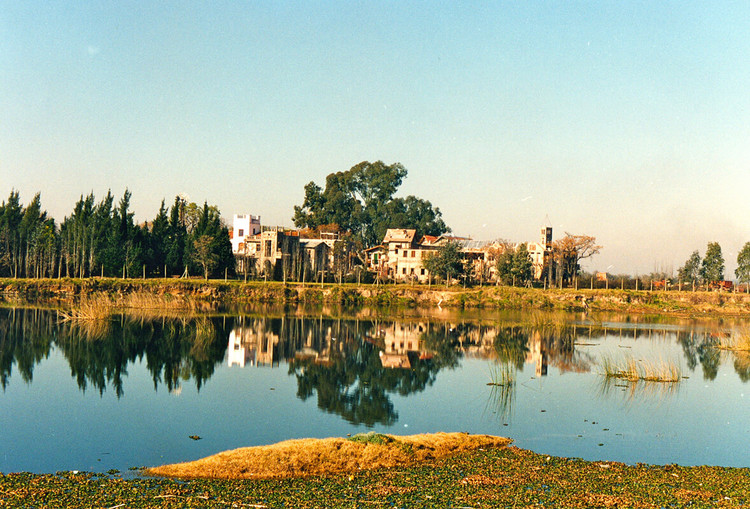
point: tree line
(101, 238)
(710, 268)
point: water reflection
(175, 350)
(352, 367)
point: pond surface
(132, 391)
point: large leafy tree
(445, 262)
(361, 201)
(743, 264)
(712, 268)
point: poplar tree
(712, 268)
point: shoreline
(486, 477)
(67, 292)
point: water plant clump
(503, 375)
(739, 341)
(89, 308)
(632, 370)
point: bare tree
(569, 251)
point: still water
(132, 391)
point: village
(278, 253)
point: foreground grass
(505, 477)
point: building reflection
(352, 366)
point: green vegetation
(712, 268)
(506, 477)
(166, 293)
(360, 201)
(102, 239)
(743, 264)
(445, 262)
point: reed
(502, 375)
(738, 341)
(634, 371)
(91, 308)
(502, 396)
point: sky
(628, 121)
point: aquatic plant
(89, 308)
(632, 370)
(502, 395)
(737, 341)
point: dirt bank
(491, 297)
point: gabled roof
(399, 235)
(313, 243)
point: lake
(133, 390)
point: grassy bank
(421, 296)
(504, 477)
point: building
(243, 226)
(399, 257)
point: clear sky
(629, 121)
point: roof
(399, 235)
(313, 243)
(474, 244)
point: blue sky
(629, 121)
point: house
(399, 257)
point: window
(268, 249)
(397, 250)
(421, 272)
(413, 254)
(403, 271)
(242, 232)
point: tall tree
(177, 234)
(691, 271)
(209, 248)
(743, 265)
(712, 269)
(361, 201)
(159, 240)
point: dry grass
(89, 308)
(739, 341)
(634, 371)
(139, 305)
(312, 457)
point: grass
(503, 383)
(315, 457)
(496, 477)
(99, 306)
(89, 308)
(634, 371)
(739, 341)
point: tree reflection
(353, 379)
(25, 339)
(700, 348)
(99, 354)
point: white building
(243, 226)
